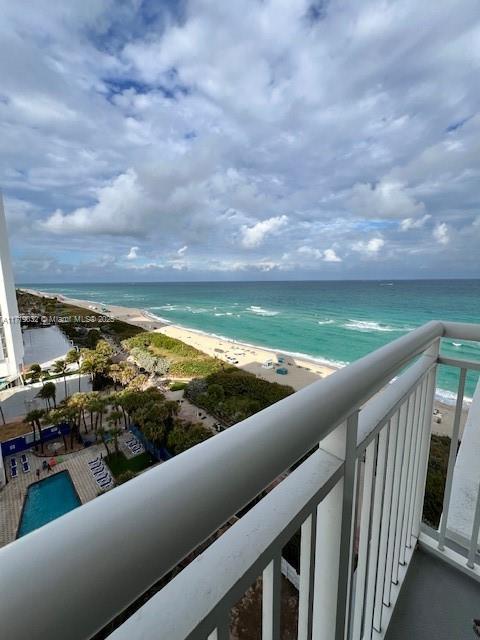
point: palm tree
(57, 417)
(74, 357)
(61, 367)
(115, 431)
(33, 417)
(34, 372)
(128, 373)
(48, 393)
(115, 373)
(102, 432)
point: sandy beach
(301, 371)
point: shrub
(125, 477)
(149, 362)
(185, 435)
(233, 395)
(177, 386)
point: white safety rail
(357, 500)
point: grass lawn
(120, 464)
(13, 430)
(185, 361)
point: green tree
(185, 435)
(61, 367)
(74, 357)
(102, 434)
(48, 393)
(34, 418)
(34, 372)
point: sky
(246, 140)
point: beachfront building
(11, 342)
(346, 459)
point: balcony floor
(436, 601)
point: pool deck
(13, 495)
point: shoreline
(302, 370)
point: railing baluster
(475, 530)
(403, 489)
(386, 514)
(346, 537)
(451, 459)
(361, 572)
(222, 632)
(405, 542)
(401, 421)
(420, 428)
(375, 537)
(425, 453)
(307, 576)
(271, 601)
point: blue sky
(273, 139)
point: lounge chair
(26, 466)
(13, 462)
(24, 458)
(130, 441)
(95, 461)
(105, 483)
(98, 472)
(136, 450)
(99, 480)
(13, 472)
(97, 465)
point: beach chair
(98, 472)
(26, 467)
(13, 472)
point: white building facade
(11, 342)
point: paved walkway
(13, 495)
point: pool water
(46, 500)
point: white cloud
(387, 199)
(411, 223)
(182, 250)
(136, 132)
(316, 254)
(369, 248)
(254, 236)
(133, 253)
(329, 255)
(440, 233)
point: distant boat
(457, 344)
(386, 284)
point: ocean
(335, 322)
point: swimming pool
(46, 500)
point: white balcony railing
(357, 499)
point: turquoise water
(47, 500)
(336, 322)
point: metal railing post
(333, 554)
(451, 460)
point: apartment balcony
(345, 460)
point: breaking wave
(260, 311)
